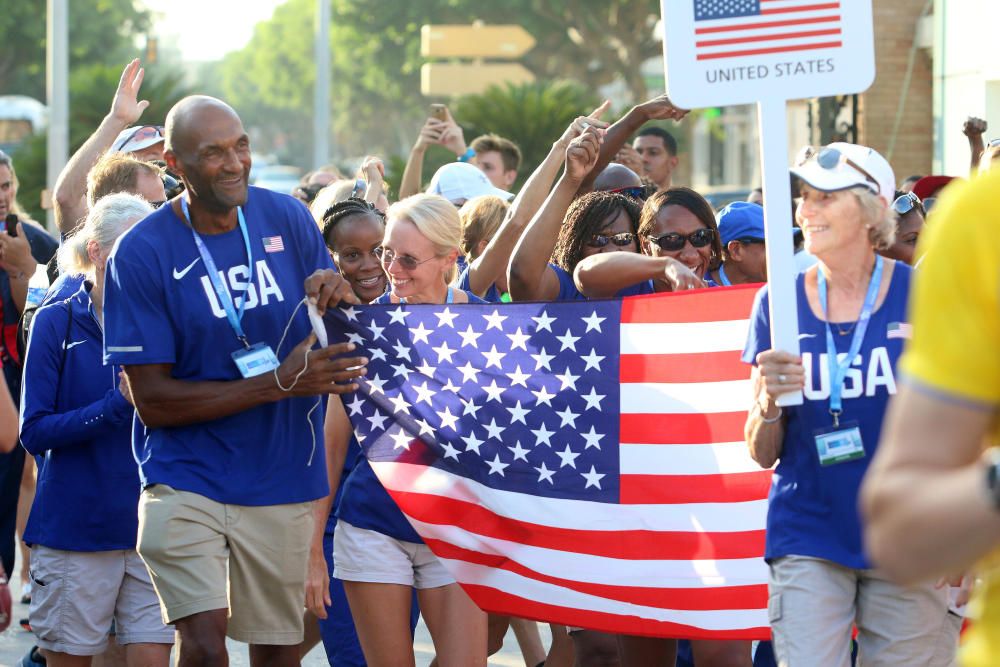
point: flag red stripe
(690, 429)
(801, 8)
(777, 49)
(693, 367)
(768, 38)
(691, 599)
(673, 489)
(768, 24)
(626, 544)
(502, 602)
(690, 306)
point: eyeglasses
(144, 132)
(929, 203)
(673, 241)
(831, 158)
(620, 240)
(387, 257)
(993, 143)
(906, 203)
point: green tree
(100, 32)
(376, 100)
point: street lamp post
(321, 103)
(57, 95)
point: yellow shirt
(955, 350)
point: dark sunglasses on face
(906, 203)
(620, 240)
(673, 241)
(387, 257)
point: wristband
(467, 155)
(770, 420)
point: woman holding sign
(852, 319)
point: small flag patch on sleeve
(273, 244)
(900, 330)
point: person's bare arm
(70, 193)
(606, 274)
(973, 129)
(926, 487)
(658, 108)
(8, 421)
(776, 373)
(492, 263)
(529, 277)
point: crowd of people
(211, 484)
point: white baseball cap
(136, 138)
(458, 182)
(840, 166)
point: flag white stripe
(592, 569)
(783, 43)
(651, 459)
(516, 584)
(562, 513)
(685, 397)
(684, 338)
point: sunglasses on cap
(387, 257)
(144, 132)
(672, 241)
(906, 203)
(620, 240)
(830, 158)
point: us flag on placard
(741, 28)
(579, 462)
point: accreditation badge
(255, 360)
(839, 443)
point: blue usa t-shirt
(813, 509)
(160, 308)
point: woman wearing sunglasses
(564, 231)
(680, 245)
(909, 223)
(377, 554)
(853, 323)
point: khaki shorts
(76, 594)
(368, 556)
(188, 541)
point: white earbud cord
(295, 380)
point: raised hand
(580, 123)
(660, 108)
(126, 106)
(582, 152)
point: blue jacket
(79, 427)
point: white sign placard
(722, 52)
(726, 52)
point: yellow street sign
(474, 41)
(447, 79)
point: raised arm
(70, 194)
(658, 108)
(973, 129)
(606, 274)
(445, 133)
(529, 277)
(492, 263)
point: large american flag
(742, 28)
(577, 462)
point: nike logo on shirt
(801, 336)
(183, 272)
(68, 346)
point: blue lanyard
(839, 369)
(723, 278)
(225, 299)
(450, 298)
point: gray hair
(110, 217)
(879, 219)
